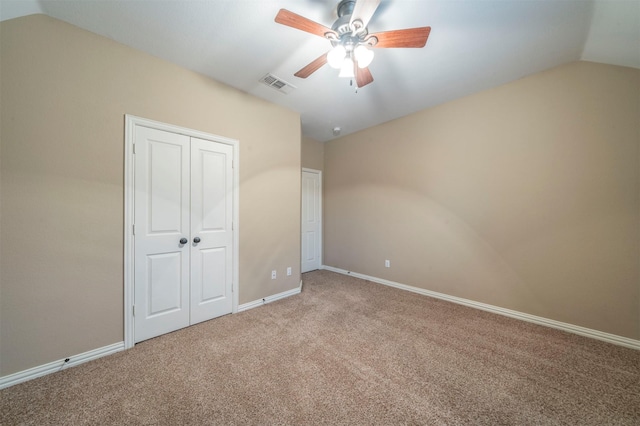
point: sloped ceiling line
(474, 45)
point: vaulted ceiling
(474, 45)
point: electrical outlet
(289, 271)
(387, 263)
(273, 274)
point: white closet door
(211, 229)
(311, 221)
(161, 221)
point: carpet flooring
(345, 351)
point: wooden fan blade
(364, 10)
(411, 37)
(290, 19)
(312, 67)
(363, 76)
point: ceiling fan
(350, 38)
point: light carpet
(345, 351)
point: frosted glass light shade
(336, 56)
(363, 55)
(347, 68)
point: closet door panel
(161, 221)
(211, 229)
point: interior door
(211, 229)
(161, 221)
(183, 264)
(311, 221)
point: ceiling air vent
(277, 83)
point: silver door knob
(183, 241)
(196, 240)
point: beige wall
(312, 154)
(525, 196)
(64, 95)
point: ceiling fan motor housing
(343, 27)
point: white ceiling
(474, 45)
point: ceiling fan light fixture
(335, 58)
(347, 70)
(363, 55)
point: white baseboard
(52, 367)
(575, 329)
(269, 299)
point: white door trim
(131, 122)
(320, 242)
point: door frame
(131, 122)
(320, 241)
